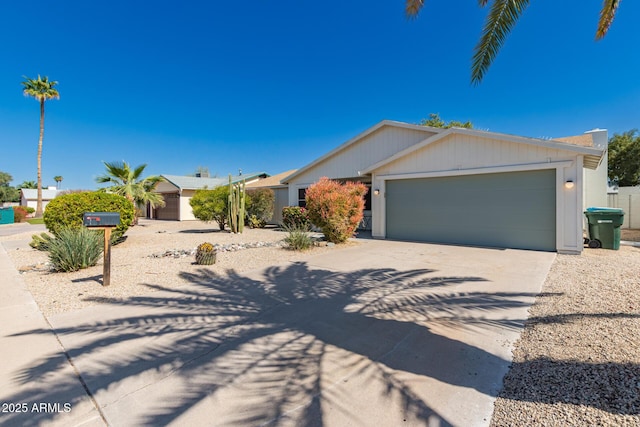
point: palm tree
(28, 184)
(127, 182)
(503, 16)
(42, 89)
(58, 180)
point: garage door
(508, 210)
(171, 209)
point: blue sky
(270, 85)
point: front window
(302, 194)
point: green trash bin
(6, 215)
(604, 227)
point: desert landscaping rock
(148, 261)
(181, 253)
(577, 362)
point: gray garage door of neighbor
(506, 210)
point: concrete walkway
(37, 382)
(383, 333)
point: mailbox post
(103, 221)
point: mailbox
(101, 219)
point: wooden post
(106, 268)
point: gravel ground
(577, 362)
(630, 235)
(134, 270)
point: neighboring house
(29, 196)
(177, 192)
(281, 193)
(469, 187)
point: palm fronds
(504, 14)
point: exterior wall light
(569, 184)
(376, 191)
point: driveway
(380, 333)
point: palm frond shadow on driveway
(282, 347)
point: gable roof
(196, 183)
(272, 181)
(592, 155)
(32, 193)
(355, 139)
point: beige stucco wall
(186, 213)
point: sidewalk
(21, 385)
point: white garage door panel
(512, 210)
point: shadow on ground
(282, 347)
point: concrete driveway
(381, 333)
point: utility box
(101, 219)
(6, 215)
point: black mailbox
(101, 219)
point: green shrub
(255, 222)
(41, 242)
(75, 248)
(298, 239)
(19, 213)
(67, 210)
(336, 208)
(259, 206)
(211, 205)
(295, 217)
(29, 209)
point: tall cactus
(236, 206)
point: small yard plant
(41, 242)
(206, 254)
(298, 239)
(259, 207)
(75, 248)
(295, 217)
(336, 208)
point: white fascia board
(356, 139)
(479, 170)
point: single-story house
(29, 196)
(177, 191)
(469, 187)
(280, 191)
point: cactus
(206, 254)
(236, 206)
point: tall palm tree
(127, 182)
(42, 89)
(58, 179)
(502, 17)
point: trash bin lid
(609, 210)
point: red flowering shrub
(336, 208)
(19, 213)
